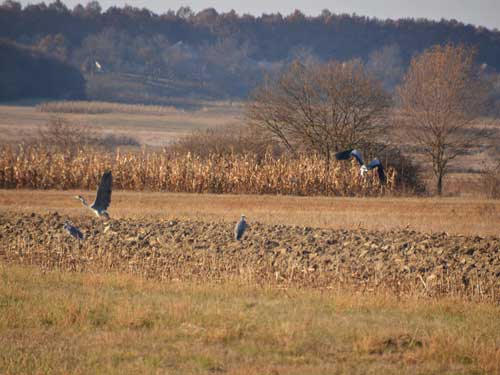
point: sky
(477, 12)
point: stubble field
(154, 126)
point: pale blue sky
(478, 12)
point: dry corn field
(36, 167)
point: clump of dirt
(401, 260)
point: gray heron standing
(72, 230)
(363, 168)
(240, 228)
(103, 198)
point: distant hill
(28, 73)
(143, 56)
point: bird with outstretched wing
(375, 163)
(103, 197)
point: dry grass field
(152, 127)
(66, 323)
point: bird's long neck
(84, 202)
(363, 169)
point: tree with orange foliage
(441, 95)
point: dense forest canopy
(211, 54)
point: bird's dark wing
(381, 174)
(375, 163)
(346, 155)
(357, 155)
(75, 232)
(103, 198)
(343, 155)
(240, 229)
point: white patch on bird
(363, 170)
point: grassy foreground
(86, 323)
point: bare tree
(61, 134)
(319, 107)
(440, 96)
(64, 135)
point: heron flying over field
(103, 198)
(240, 228)
(72, 230)
(375, 163)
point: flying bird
(103, 198)
(240, 228)
(72, 230)
(375, 163)
(98, 66)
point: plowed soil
(402, 261)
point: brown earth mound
(402, 261)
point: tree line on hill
(220, 55)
